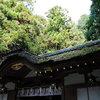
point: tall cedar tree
(93, 24)
(18, 24)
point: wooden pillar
(11, 95)
(18, 98)
(63, 91)
(16, 90)
(63, 94)
(70, 94)
(85, 78)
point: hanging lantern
(53, 85)
(92, 79)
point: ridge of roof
(78, 47)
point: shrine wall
(76, 89)
(74, 79)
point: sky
(76, 8)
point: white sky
(76, 8)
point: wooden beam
(82, 85)
(35, 77)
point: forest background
(19, 25)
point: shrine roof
(71, 52)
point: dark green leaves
(93, 24)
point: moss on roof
(86, 49)
(63, 54)
(75, 53)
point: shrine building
(68, 74)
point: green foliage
(82, 22)
(19, 25)
(60, 30)
(79, 37)
(58, 19)
(93, 24)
